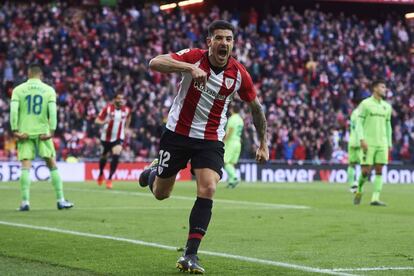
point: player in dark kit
(195, 127)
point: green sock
(377, 188)
(361, 181)
(25, 184)
(351, 175)
(231, 172)
(57, 183)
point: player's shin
(351, 175)
(199, 219)
(361, 181)
(377, 188)
(114, 165)
(25, 185)
(57, 184)
(231, 172)
(102, 163)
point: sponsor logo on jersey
(204, 89)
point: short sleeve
(188, 55)
(362, 110)
(15, 95)
(247, 92)
(103, 113)
(52, 95)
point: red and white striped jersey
(199, 111)
(114, 128)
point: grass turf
(332, 233)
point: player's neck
(34, 78)
(214, 66)
(377, 97)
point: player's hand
(364, 145)
(199, 75)
(262, 154)
(45, 137)
(20, 135)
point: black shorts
(107, 146)
(176, 150)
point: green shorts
(28, 148)
(232, 153)
(375, 155)
(354, 155)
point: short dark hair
(118, 93)
(219, 25)
(35, 68)
(376, 82)
(236, 108)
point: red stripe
(110, 126)
(214, 117)
(191, 100)
(195, 236)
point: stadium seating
(307, 67)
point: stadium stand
(307, 67)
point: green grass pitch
(285, 229)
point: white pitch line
(227, 201)
(373, 268)
(172, 248)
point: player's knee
(207, 191)
(160, 195)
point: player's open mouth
(222, 52)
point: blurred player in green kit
(33, 119)
(375, 135)
(354, 147)
(232, 145)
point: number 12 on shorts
(164, 158)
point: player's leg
(106, 149)
(207, 165)
(25, 185)
(381, 158)
(173, 156)
(231, 157)
(116, 151)
(366, 166)
(47, 152)
(199, 220)
(26, 150)
(351, 177)
(353, 159)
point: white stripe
(204, 106)
(373, 268)
(221, 130)
(172, 248)
(178, 102)
(115, 127)
(238, 81)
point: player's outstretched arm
(259, 121)
(166, 64)
(99, 121)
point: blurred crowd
(307, 67)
